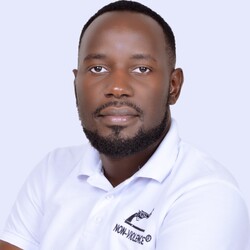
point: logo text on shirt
(131, 235)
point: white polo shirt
(180, 200)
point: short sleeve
(23, 224)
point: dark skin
(6, 246)
(119, 61)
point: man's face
(123, 80)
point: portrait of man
(134, 184)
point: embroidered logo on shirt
(138, 216)
(132, 221)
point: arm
(22, 227)
(6, 246)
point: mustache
(118, 104)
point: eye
(141, 70)
(98, 69)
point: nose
(119, 85)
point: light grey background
(39, 49)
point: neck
(118, 170)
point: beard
(117, 147)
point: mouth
(118, 115)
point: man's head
(126, 78)
(131, 6)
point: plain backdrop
(38, 50)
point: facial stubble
(116, 146)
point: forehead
(124, 25)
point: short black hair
(132, 6)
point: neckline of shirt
(157, 167)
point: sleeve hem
(19, 241)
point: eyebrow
(135, 56)
(143, 57)
(95, 56)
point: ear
(176, 81)
(75, 74)
(75, 71)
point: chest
(90, 218)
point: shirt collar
(157, 167)
(91, 162)
(161, 162)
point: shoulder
(66, 155)
(64, 159)
(206, 204)
(197, 178)
(197, 167)
(53, 170)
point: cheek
(86, 104)
(155, 106)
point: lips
(118, 111)
(117, 115)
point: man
(136, 185)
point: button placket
(109, 197)
(95, 219)
(98, 212)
